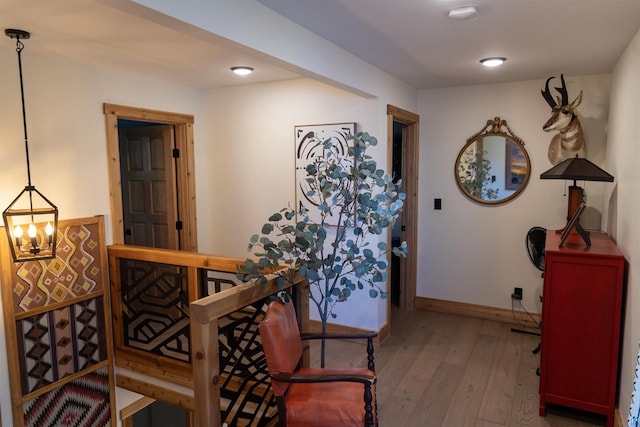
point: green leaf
(275, 217)
(322, 233)
(267, 228)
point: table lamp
(576, 169)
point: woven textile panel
(74, 273)
(83, 402)
(57, 331)
(61, 342)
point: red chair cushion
(281, 341)
(326, 404)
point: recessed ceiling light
(463, 13)
(493, 61)
(242, 71)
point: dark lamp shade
(577, 169)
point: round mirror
(493, 166)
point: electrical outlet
(517, 293)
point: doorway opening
(160, 414)
(396, 230)
(149, 412)
(403, 162)
(151, 176)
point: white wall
(251, 161)
(476, 253)
(67, 139)
(251, 154)
(623, 151)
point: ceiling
(417, 42)
(102, 33)
(413, 40)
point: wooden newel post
(206, 372)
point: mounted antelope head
(569, 142)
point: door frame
(410, 167)
(185, 168)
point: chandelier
(31, 211)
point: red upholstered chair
(314, 397)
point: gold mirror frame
(473, 169)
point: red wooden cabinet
(581, 315)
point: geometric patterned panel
(155, 308)
(217, 281)
(55, 315)
(246, 396)
(61, 342)
(74, 272)
(83, 402)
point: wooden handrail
(205, 373)
(168, 256)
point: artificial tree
(336, 248)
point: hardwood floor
(444, 370)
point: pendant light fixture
(31, 211)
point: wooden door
(184, 163)
(148, 180)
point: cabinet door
(581, 318)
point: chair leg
(282, 412)
(368, 407)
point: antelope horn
(563, 91)
(546, 94)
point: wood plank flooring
(443, 370)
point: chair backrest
(281, 341)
